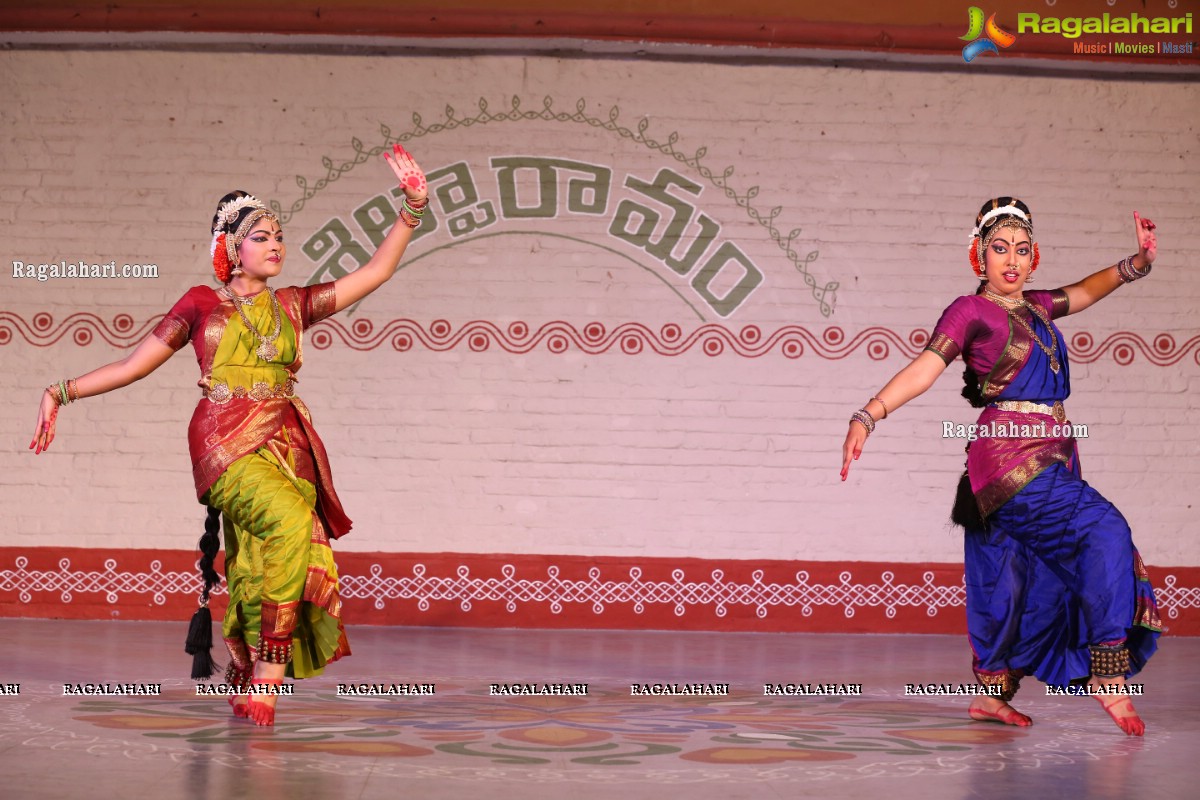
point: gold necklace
(1051, 351)
(266, 349)
(1003, 298)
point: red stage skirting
(549, 591)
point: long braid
(210, 545)
(972, 391)
(199, 638)
(965, 511)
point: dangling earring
(1037, 258)
(235, 264)
(1029, 279)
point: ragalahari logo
(983, 37)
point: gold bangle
(885, 408)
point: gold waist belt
(261, 390)
(1026, 407)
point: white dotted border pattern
(554, 591)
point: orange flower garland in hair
(973, 255)
(221, 260)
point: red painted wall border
(550, 591)
(832, 342)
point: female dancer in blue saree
(1055, 588)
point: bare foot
(993, 709)
(236, 679)
(238, 703)
(261, 707)
(1118, 706)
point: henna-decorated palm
(1146, 238)
(410, 175)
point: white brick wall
(110, 155)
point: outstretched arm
(370, 276)
(1101, 284)
(145, 358)
(912, 381)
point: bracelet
(64, 392)
(877, 399)
(864, 418)
(1128, 273)
(408, 218)
(411, 211)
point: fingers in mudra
(1146, 238)
(1146, 233)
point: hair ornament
(973, 256)
(1008, 210)
(220, 259)
(229, 211)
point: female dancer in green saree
(256, 458)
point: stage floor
(465, 742)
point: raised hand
(410, 175)
(1146, 238)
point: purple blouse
(981, 331)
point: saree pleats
(1051, 570)
(280, 572)
(1055, 573)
